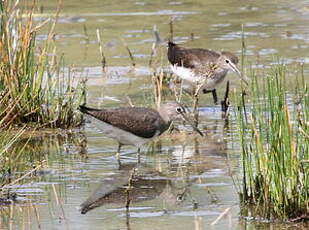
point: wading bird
(136, 125)
(201, 67)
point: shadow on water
(147, 184)
(183, 179)
(185, 164)
(167, 177)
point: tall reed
(273, 127)
(33, 86)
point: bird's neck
(165, 117)
(220, 71)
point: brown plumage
(195, 57)
(190, 58)
(201, 67)
(142, 122)
(135, 125)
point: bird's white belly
(120, 135)
(209, 83)
(186, 74)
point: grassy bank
(36, 91)
(273, 123)
(33, 87)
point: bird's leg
(225, 103)
(138, 155)
(214, 95)
(118, 155)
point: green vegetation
(274, 136)
(10, 156)
(34, 89)
(20, 154)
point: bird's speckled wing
(190, 58)
(143, 122)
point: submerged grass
(15, 157)
(24, 157)
(34, 89)
(273, 127)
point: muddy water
(183, 182)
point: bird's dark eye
(227, 61)
(179, 197)
(179, 110)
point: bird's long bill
(236, 70)
(192, 124)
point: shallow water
(199, 169)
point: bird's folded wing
(191, 58)
(143, 122)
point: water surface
(199, 169)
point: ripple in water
(238, 35)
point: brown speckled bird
(202, 66)
(135, 125)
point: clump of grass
(33, 86)
(273, 127)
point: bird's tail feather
(87, 110)
(171, 44)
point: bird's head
(229, 61)
(171, 111)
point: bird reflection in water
(185, 163)
(146, 184)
